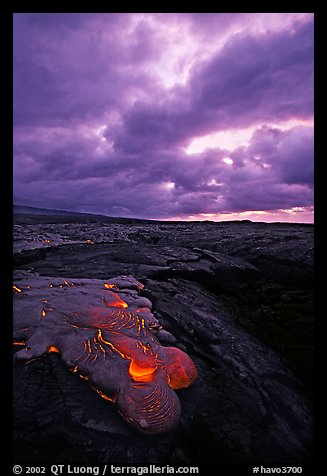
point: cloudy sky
(167, 116)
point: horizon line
(202, 218)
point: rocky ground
(236, 296)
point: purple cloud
(252, 79)
(105, 106)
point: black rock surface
(236, 296)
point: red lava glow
(110, 286)
(180, 369)
(141, 373)
(52, 348)
(142, 366)
(104, 396)
(116, 301)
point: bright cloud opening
(233, 138)
(228, 160)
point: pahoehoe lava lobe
(106, 333)
(151, 409)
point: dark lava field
(237, 297)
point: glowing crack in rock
(105, 332)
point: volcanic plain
(237, 297)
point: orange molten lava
(140, 373)
(19, 342)
(110, 286)
(142, 366)
(52, 348)
(117, 301)
(17, 289)
(103, 395)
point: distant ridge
(25, 215)
(22, 210)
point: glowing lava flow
(19, 342)
(140, 373)
(110, 286)
(112, 343)
(115, 301)
(141, 368)
(104, 396)
(52, 348)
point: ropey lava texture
(106, 333)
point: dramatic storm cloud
(169, 116)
